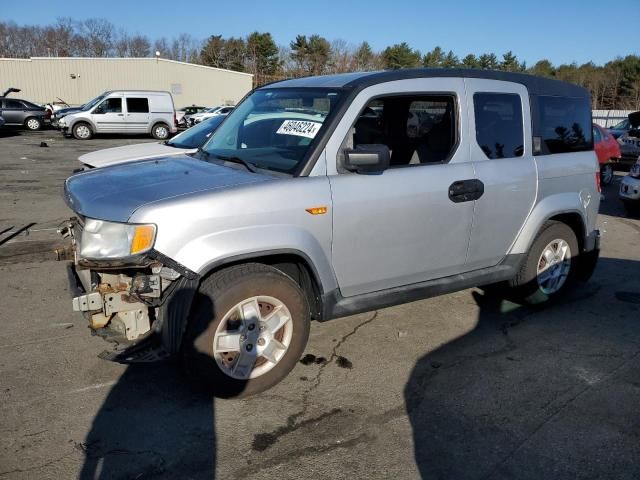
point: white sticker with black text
(300, 128)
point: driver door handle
(466, 190)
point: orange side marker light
(317, 210)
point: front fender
(557, 204)
(205, 253)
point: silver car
(327, 196)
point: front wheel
(82, 131)
(550, 266)
(248, 327)
(606, 174)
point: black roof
(358, 80)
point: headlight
(62, 122)
(101, 240)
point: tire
(632, 208)
(82, 131)
(528, 285)
(606, 174)
(33, 123)
(215, 316)
(160, 131)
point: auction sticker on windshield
(300, 128)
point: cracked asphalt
(463, 386)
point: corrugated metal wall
(77, 80)
(608, 118)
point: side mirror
(367, 158)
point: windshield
(195, 136)
(91, 103)
(274, 128)
(623, 125)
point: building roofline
(147, 59)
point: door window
(137, 105)
(417, 129)
(110, 105)
(499, 128)
(13, 105)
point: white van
(124, 111)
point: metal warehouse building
(77, 80)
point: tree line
(616, 84)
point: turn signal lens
(143, 237)
(317, 210)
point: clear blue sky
(563, 31)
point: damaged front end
(139, 302)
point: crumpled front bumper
(140, 313)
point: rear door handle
(466, 190)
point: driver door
(108, 116)
(401, 226)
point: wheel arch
(82, 120)
(565, 208)
(293, 263)
(157, 121)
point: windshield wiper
(249, 166)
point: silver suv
(326, 196)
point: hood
(129, 153)
(114, 193)
(61, 112)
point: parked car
(322, 208)
(183, 114)
(184, 143)
(620, 128)
(608, 152)
(211, 112)
(630, 140)
(124, 111)
(19, 112)
(630, 189)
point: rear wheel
(550, 266)
(33, 123)
(606, 174)
(82, 131)
(160, 131)
(248, 327)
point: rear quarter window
(561, 125)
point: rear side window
(499, 129)
(562, 125)
(137, 105)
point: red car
(608, 152)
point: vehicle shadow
(154, 423)
(532, 393)
(6, 132)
